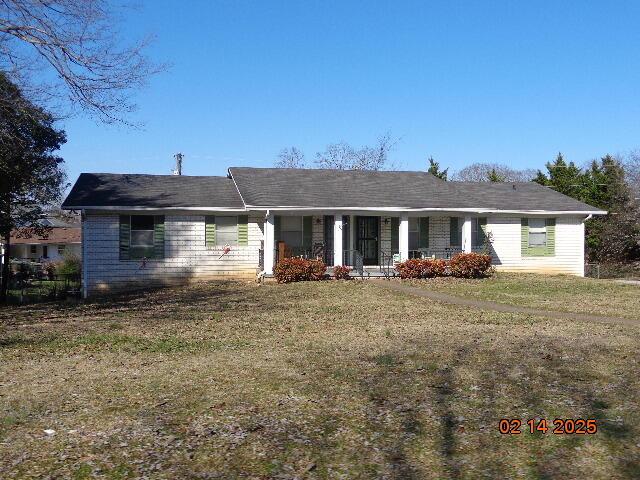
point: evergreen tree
(434, 169)
(494, 176)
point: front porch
(370, 244)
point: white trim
(466, 235)
(403, 237)
(268, 243)
(404, 209)
(337, 240)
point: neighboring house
(141, 230)
(64, 237)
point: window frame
(537, 231)
(416, 232)
(220, 243)
(62, 249)
(301, 231)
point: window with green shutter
(221, 230)
(537, 237)
(141, 236)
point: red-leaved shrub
(470, 265)
(433, 268)
(422, 268)
(299, 269)
(341, 272)
(411, 268)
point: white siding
(186, 255)
(569, 247)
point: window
(33, 249)
(291, 231)
(414, 233)
(61, 249)
(142, 228)
(537, 232)
(45, 251)
(226, 231)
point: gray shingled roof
(313, 188)
(152, 191)
(284, 187)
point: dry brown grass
(317, 380)
(548, 292)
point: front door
(367, 239)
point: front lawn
(548, 292)
(309, 380)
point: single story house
(141, 230)
(64, 237)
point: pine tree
(434, 169)
(494, 176)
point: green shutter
(276, 229)
(125, 236)
(424, 232)
(307, 232)
(481, 233)
(454, 232)
(158, 236)
(524, 237)
(243, 230)
(395, 235)
(210, 230)
(550, 249)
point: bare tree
(486, 172)
(78, 41)
(632, 170)
(343, 156)
(291, 158)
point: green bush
(70, 265)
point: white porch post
(466, 235)
(268, 243)
(403, 237)
(337, 240)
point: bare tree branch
(78, 41)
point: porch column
(268, 244)
(466, 235)
(403, 237)
(337, 240)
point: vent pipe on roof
(178, 169)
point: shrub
(341, 272)
(422, 268)
(299, 269)
(411, 268)
(50, 269)
(434, 268)
(70, 265)
(470, 265)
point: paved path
(500, 307)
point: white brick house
(143, 230)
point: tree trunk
(4, 286)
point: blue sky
(476, 81)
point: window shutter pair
(549, 250)
(210, 230)
(125, 237)
(424, 232)
(455, 237)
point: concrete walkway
(500, 307)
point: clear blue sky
(478, 81)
